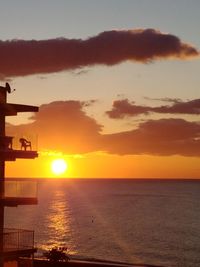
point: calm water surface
(154, 222)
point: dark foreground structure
(14, 243)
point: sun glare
(59, 166)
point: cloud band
(26, 57)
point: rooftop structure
(14, 243)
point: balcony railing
(17, 240)
(20, 189)
(19, 142)
(15, 192)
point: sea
(127, 220)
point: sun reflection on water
(58, 223)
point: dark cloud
(165, 99)
(64, 126)
(159, 137)
(25, 57)
(123, 108)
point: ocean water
(138, 221)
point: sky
(117, 84)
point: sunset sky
(117, 83)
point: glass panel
(20, 189)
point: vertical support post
(3, 96)
(18, 238)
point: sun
(59, 166)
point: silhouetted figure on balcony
(8, 142)
(25, 143)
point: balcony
(17, 243)
(18, 146)
(18, 192)
(9, 109)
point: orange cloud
(64, 126)
(123, 108)
(25, 57)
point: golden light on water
(59, 166)
(58, 223)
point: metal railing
(19, 142)
(22, 189)
(17, 239)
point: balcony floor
(12, 155)
(15, 254)
(16, 201)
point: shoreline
(74, 262)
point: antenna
(8, 88)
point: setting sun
(59, 166)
